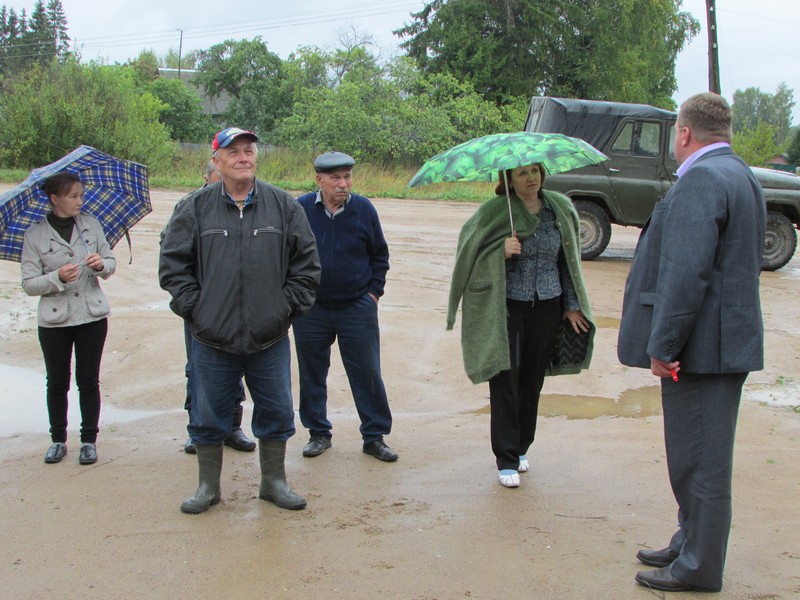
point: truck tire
(780, 242)
(595, 229)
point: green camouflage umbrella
(482, 159)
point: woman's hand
(94, 261)
(579, 323)
(68, 273)
(512, 247)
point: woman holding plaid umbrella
(62, 257)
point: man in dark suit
(692, 315)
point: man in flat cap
(240, 262)
(354, 257)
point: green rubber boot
(209, 462)
(273, 476)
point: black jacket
(238, 276)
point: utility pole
(713, 48)
(180, 49)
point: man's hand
(659, 368)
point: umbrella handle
(508, 198)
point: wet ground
(436, 524)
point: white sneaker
(524, 465)
(509, 478)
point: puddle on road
(22, 404)
(637, 403)
(606, 322)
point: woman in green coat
(525, 309)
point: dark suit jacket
(692, 291)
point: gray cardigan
(44, 251)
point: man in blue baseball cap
(355, 259)
(240, 262)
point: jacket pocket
(648, 298)
(53, 309)
(479, 287)
(98, 305)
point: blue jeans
(215, 377)
(187, 338)
(356, 327)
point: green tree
(183, 111)
(793, 151)
(252, 75)
(752, 106)
(57, 19)
(170, 59)
(622, 50)
(51, 109)
(144, 67)
(756, 146)
(38, 39)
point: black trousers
(57, 343)
(514, 394)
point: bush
(49, 111)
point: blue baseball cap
(224, 138)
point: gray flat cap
(330, 161)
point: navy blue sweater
(352, 250)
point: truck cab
(638, 139)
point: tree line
(469, 69)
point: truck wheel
(595, 229)
(780, 242)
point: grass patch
(292, 170)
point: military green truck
(638, 139)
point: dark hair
(500, 190)
(59, 184)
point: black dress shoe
(239, 441)
(657, 558)
(188, 447)
(317, 444)
(381, 451)
(662, 579)
(55, 453)
(88, 455)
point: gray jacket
(692, 292)
(44, 251)
(238, 277)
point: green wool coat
(479, 284)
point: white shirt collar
(697, 154)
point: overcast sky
(757, 39)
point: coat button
(76, 294)
(55, 310)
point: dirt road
(436, 524)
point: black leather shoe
(381, 451)
(657, 558)
(188, 447)
(239, 441)
(55, 453)
(88, 455)
(317, 444)
(662, 579)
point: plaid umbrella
(115, 192)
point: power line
(337, 14)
